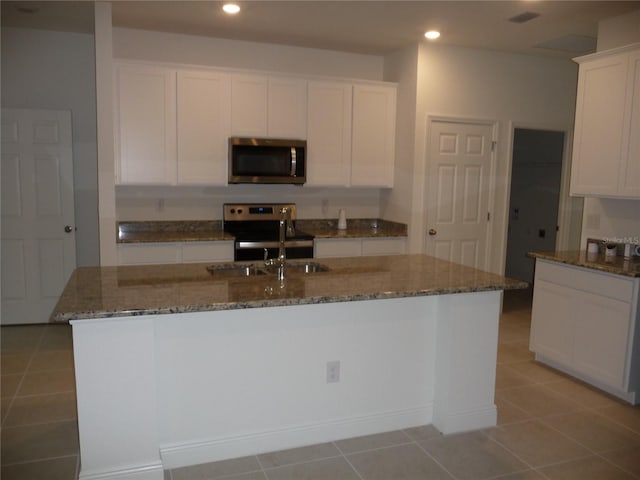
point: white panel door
(249, 105)
(287, 108)
(458, 192)
(38, 239)
(204, 127)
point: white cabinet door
(629, 182)
(552, 331)
(207, 251)
(373, 135)
(384, 246)
(337, 247)
(145, 99)
(204, 126)
(601, 334)
(249, 105)
(143, 254)
(329, 133)
(287, 108)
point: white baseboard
(151, 471)
(465, 421)
(193, 453)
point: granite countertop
(598, 261)
(103, 292)
(210, 231)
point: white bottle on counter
(342, 219)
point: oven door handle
(293, 162)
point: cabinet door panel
(601, 333)
(600, 107)
(142, 254)
(207, 251)
(329, 133)
(249, 105)
(383, 246)
(373, 135)
(552, 321)
(630, 173)
(204, 126)
(343, 247)
(146, 124)
(287, 108)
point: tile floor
(550, 426)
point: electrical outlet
(333, 371)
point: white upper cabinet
(606, 148)
(204, 126)
(373, 135)
(329, 133)
(249, 105)
(265, 106)
(146, 124)
(287, 108)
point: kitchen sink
(250, 270)
(235, 270)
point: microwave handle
(293, 161)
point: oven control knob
(239, 210)
(233, 210)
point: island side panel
(466, 352)
(240, 382)
(116, 395)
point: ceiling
(562, 29)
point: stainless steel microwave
(267, 160)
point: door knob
(68, 228)
(432, 231)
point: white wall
(55, 70)
(179, 203)
(609, 218)
(488, 85)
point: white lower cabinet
(355, 247)
(584, 323)
(186, 252)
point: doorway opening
(536, 181)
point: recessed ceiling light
(231, 8)
(432, 34)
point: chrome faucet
(286, 230)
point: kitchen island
(177, 366)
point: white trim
(465, 421)
(193, 453)
(150, 471)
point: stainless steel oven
(255, 227)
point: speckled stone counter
(103, 292)
(616, 265)
(171, 231)
(356, 228)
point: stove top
(253, 222)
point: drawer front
(148, 254)
(383, 246)
(347, 247)
(207, 252)
(600, 283)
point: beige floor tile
(15, 362)
(36, 442)
(538, 372)
(526, 475)
(538, 400)
(54, 381)
(472, 456)
(628, 459)
(298, 455)
(514, 331)
(57, 337)
(51, 360)
(332, 468)
(507, 377)
(23, 338)
(9, 385)
(514, 352)
(536, 443)
(584, 394)
(509, 413)
(422, 433)
(404, 462)
(207, 471)
(369, 442)
(593, 431)
(41, 409)
(54, 469)
(591, 468)
(626, 415)
(5, 402)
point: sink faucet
(286, 230)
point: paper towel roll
(342, 219)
